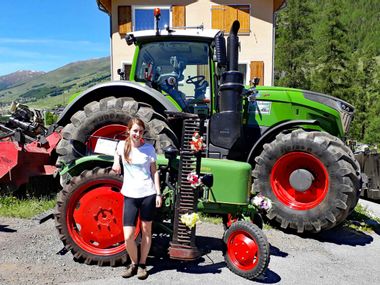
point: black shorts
(132, 206)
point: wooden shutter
(257, 70)
(244, 18)
(125, 19)
(222, 17)
(178, 16)
(230, 15)
(217, 17)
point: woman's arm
(116, 167)
(156, 180)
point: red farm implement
(27, 149)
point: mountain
(18, 77)
(55, 87)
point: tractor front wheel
(88, 217)
(312, 179)
(247, 250)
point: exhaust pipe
(233, 47)
(225, 125)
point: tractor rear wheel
(88, 217)
(312, 178)
(109, 118)
(247, 250)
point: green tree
(333, 77)
(50, 118)
(364, 93)
(371, 129)
(293, 28)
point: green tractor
(283, 143)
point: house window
(222, 17)
(143, 18)
(242, 67)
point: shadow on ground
(5, 229)
(355, 231)
(344, 236)
(205, 264)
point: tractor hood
(345, 109)
(321, 105)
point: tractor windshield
(179, 68)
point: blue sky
(46, 34)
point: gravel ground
(31, 253)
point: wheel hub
(301, 179)
(243, 249)
(105, 217)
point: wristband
(159, 195)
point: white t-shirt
(138, 181)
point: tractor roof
(193, 34)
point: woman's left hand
(158, 201)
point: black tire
(341, 188)
(246, 259)
(92, 201)
(111, 110)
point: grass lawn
(24, 208)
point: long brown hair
(128, 146)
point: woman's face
(136, 133)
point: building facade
(256, 28)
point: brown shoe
(130, 271)
(142, 273)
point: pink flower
(196, 143)
(262, 202)
(194, 179)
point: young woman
(141, 190)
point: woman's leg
(130, 244)
(146, 241)
(129, 221)
(147, 210)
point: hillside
(18, 77)
(55, 87)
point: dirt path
(31, 253)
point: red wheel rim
(286, 194)
(114, 131)
(242, 250)
(94, 217)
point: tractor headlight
(345, 109)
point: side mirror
(121, 73)
(255, 81)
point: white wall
(257, 46)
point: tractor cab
(178, 68)
(177, 63)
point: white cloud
(71, 44)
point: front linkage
(247, 249)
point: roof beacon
(157, 15)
